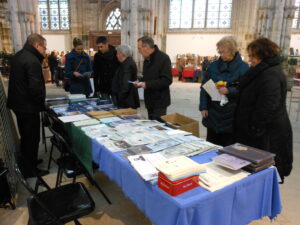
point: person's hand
(223, 90)
(88, 75)
(138, 84)
(76, 74)
(204, 113)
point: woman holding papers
(78, 69)
(261, 118)
(217, 106)
(125, 95)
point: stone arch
(106, 10)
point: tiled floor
(185, 100)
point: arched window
(296, 20)
(193, 14)
(54, 14)
(113, 20)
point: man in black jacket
(157, 77)
(26, 97)
(104, 67)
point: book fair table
(240, 203)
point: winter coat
(78, 85)
(220, 118)
(26, 90)
(126, 93)
(157, 74)
(261, 118)
(105, 65)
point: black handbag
(67, 81)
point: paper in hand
(211, 89)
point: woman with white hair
(125, 95)
(218, 118)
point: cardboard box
(178, 121)
(177, 187)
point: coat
(126, 93)
(78, 85)
(26, 89)
(261, 119)
(220, 118)
(105, 65)
(157, 74)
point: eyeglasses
(43, 47)
(251, 56)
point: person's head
(38, 42)
(78, 45)
(123, 51)
(145, 46)
(227, 48)
(261, 49)
(102, 44)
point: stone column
(15, 25)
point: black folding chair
(59, 205)
(70, 165)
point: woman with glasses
(261, 117)
(78, 69)
(218, 117)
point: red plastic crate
(177, 187)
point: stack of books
(259, 159)
(178, 174)
(217, 177)
(76, 97)
(100, 114)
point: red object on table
(175, 72)
(298, 75)
(188, 73)
(177, 187)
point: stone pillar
(15, 25)
(134, 28)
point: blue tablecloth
(240, 203)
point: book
(254, 169)
(230, 161)
(178, 167)
(217, 177)
(254, 155)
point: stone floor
(185, 100)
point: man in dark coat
(261, 118)
(124, 93)
(26, 97)
(53, 64)
(104, 67)
(157, 77)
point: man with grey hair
(124, 94)
(26, 97)
(157, 77)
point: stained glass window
(296, 20)
(200, 14)
(54, 14)
(113, 21)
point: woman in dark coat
(261, 117)
(125, 95)
(216, 117)
(78, 69)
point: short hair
(35, 38)
(125, 50)
(146, 40)
(228, 42)
(102, 40)
(77, 42)
(263, 48)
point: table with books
(251, 198)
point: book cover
(254, 155)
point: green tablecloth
(81, 145)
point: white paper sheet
(68, 119)
(211, 89)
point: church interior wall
(58, 42)
(295, 41)
(198, 44)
